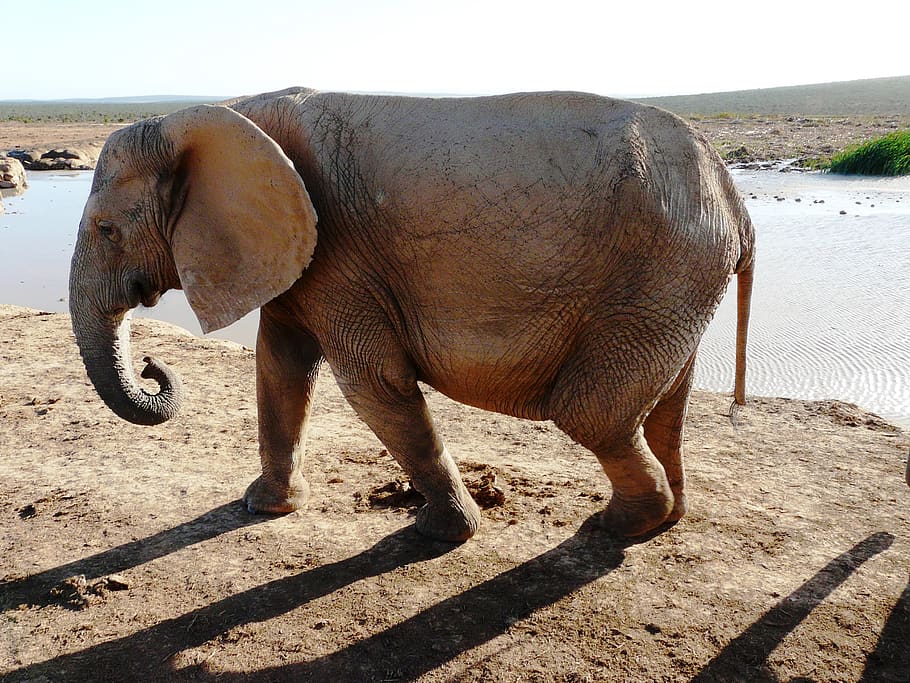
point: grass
(89, 112)
(887, 155)
(886, 96)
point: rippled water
(831, 301)
(831, 304)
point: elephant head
(201, 200)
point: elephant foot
(261, 498)
(454, 520)
(680, 508)
(630, 518)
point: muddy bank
(63, 146)
(739, 139)
(127, 556)
(753, 139)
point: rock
(12, 176)
(26, 156)
(61, 165)
(61, 154)
(395, 494)
(61, 159)
(740, 154)
(27, 511)
(116, 582)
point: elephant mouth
(150, 299)
(141, 291)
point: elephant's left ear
(245, 227)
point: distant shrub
(89, 112)
(887, 155)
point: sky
(117, 48)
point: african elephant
(552, 256)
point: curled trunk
(104, 342)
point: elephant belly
(505, 364)
(509, 361)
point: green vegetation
(887, 155)
(86, 112)
(888, 96)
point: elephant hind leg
(642, 497)
(601, 399)
(664, 434)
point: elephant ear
(245, 227)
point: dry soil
(126, 554)
(745, 138)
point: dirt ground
(744, 139)
(88, 138)
(126, 554)
(756, 138)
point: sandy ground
(756, 138)
(750, 138)
(128, 556)
(45, 136)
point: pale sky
(113, 48)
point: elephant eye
(108, 230)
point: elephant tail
(743, 307)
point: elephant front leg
(395, 410)
(287, 365)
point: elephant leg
(600, 402)
(392, 405)
(664, 434)
(642, 498)
(287, 365)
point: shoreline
(745, 138)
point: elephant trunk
(104, 342)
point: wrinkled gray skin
(551, 256)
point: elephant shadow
(439, 633)
(446, 629)
(37, 589)
(891, 658)
(745, 657)
(432, 637)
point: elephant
(551, 256)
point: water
(831, 301)
(831, 304)
(37, 235)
